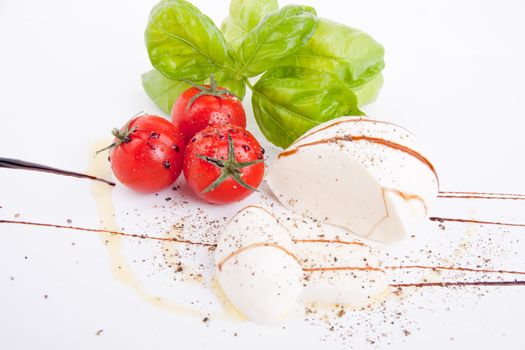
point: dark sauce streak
(481, 193)
(460, 284)
(355, 138)
(469, 221)
(117, 233)
(213, 245)
(356, 120)
(23, 165)
(233, 254)
(481, 197)
(453, 268)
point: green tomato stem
(123, 137)
(212, 90)
(230, 168)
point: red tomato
(201, 106)
(147, 153)
(223, 164)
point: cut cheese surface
(346, 273)
(266, 263)
(364, 175)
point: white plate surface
(69, 72)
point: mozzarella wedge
(265, 265)
(339, 268)
(256, 266)
(365, 175)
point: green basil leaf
(244, 16)
(288, 101)
(163, 91)
(367, 92)
(228, 81)
(183, 43)
(354, 56)
(232, 32)
(277, 36)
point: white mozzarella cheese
(264, 265)
(339, 268)
(341, 272)
(256, 266)
(364, 175)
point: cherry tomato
(204, 105)
(147, 153)
(223, 164)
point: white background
(70, 71)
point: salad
(369, 181)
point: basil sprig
(314, 69)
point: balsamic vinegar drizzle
(356, 138)
(453, 268)
(255, 245)
(23, 165)
(438, 219)
(480, 195)
(395, 285)
(355, 120)
(460, 284)
(118, 233)
(405, 267)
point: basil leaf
(183, 43)
(277, 36)
(228, 81)
(232, 32)
(354, 56)
(367, 92)
(244, 16)
(288, 101)
(163, 91)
